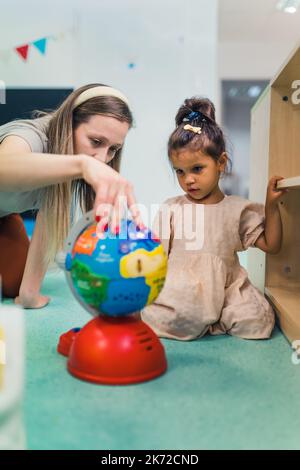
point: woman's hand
(32, 301)
(112, 192)
(273, 194)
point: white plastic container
(12, 360)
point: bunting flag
(39, 44)
(23, 51)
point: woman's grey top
(33, 131)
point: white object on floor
(12, 359)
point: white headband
(99, 91)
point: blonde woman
(69, 156)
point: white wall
(174, 49)
(28, 21)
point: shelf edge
(289, 183)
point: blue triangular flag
(40, 44)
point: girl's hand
(274, 195)
(32, 301)
(112, 190)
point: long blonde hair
(58, 198)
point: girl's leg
(14, 244)
(168, 323)
(246, 313)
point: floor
(218, 393)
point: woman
(71, 155)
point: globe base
(114, 351)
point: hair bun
(196, 104)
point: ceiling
(256, 21)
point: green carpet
(218, 393)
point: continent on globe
(119, 274)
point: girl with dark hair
(207, 290)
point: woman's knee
(14, 245)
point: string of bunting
(40, 44)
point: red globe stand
(115, 351)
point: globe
(113, 277)
(118, 274)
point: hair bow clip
(196, 130)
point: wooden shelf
(289, 183)
(275, 144)
(287, 305)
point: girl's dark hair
(198, 112)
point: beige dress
(206, 289)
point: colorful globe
(119, 274)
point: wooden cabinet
(275, 150)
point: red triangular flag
(23, 51)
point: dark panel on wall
(22, 101)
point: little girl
(206, 289)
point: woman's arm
(270, 240)
(22, 170)
(35, 269)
